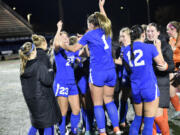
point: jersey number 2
(105, 42)
(136, 60)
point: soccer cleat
(117, 131)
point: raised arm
(57, 39)
(72, 48)
(101, 7)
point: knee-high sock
(62, 126)
(163, 125)
(134, 129)
(148, 126)
(74, 122)
(123, 111)
(175, 102)
(100, 118)
(49, 131)
(158, 129)
(113, 113)
(165, 116)
(32, 131)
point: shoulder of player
(127, 48)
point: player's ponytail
(24, 53)
(135, 33)
(99, 20)
(104, 23)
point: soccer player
(145, 92)
(102, 76)
(65, 88)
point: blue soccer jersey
(143, 79)
(64, 83)
(64, 65)
(100, 49)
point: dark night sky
(46, 13)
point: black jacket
(43, 57)
(163, 76)
(36, 84)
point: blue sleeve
(154, 51)
(77, 53)
(60, 49)
(85, 39)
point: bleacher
(14, 29)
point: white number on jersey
(105, 42)
(69, 61)
(63, 91)
(136, 60)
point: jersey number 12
(137, 58)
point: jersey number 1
(105, 42)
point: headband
(28, 53)
(171, 26)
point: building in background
(14, 30)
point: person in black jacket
(36, 83)
(41, 47)
(154, 34)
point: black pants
(41, 131)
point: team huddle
(86, 74)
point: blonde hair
(126, 30)
(64, 32)
(24, 53)
(38, 40)
(175, 24)
(98, 19)
(144, 26)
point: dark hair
(135, 33)
(158, 27)
(164, 37)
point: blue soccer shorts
(65, 90)
(103, 77)
(145, 95)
